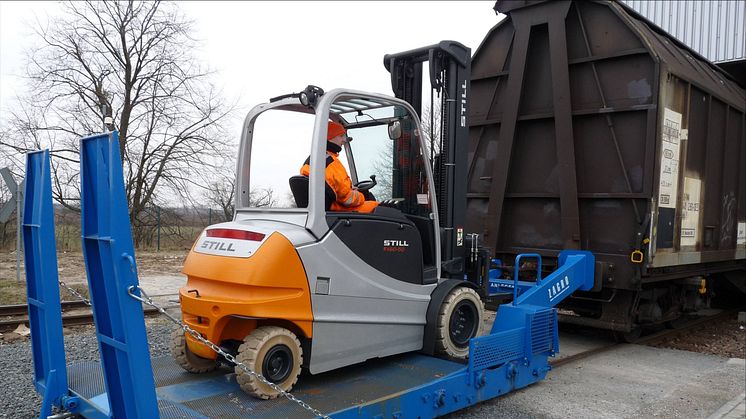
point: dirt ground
(726, 339)
(71, 270)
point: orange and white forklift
(289, 284)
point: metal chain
(74, 292)
(145, 299)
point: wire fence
(157, 228)
(8, 234)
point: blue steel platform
(514, 355)
(217, 395)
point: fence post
(16, 192)
(158, 218)
(18, 236)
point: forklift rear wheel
(185, 358)
(461, 318)
(275, 353)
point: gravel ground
(629, 381)
(21, 399)
(726, 338)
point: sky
(261, 50)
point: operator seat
(299, 187)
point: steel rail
(22, 309)
(76, 319)
(646, 340)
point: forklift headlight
(304, 100)
(310, 95)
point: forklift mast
(449, 71)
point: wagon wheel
(461, 318)
(186, 358)
(273, 352)
(629, 337)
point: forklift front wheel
(275, 353)
(461, 318)
(185, 358)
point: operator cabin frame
(357, 309)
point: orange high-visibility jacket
(348, 199)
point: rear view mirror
(394, 130)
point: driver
(348, 197)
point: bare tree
(132, 61)
(7, 229)
(432, 128)
(262, 197)
(221, 193)
(383, 162)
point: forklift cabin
(387, 160)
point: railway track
(22, 309)
(78, 313)
(647, 339)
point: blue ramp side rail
(110, 264)
(42, 285)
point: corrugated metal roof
(714, 28)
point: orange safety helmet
(333, 129)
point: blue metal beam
(110, 263)
(42, 284)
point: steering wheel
(365, 185)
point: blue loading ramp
(217, 395)
(127, 383)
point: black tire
(186, 359)
(276, 354)
(461, 317)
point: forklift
(299, 286)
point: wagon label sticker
(741, 236)
(670, 146)
(690, 211)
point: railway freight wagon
(591, 128)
